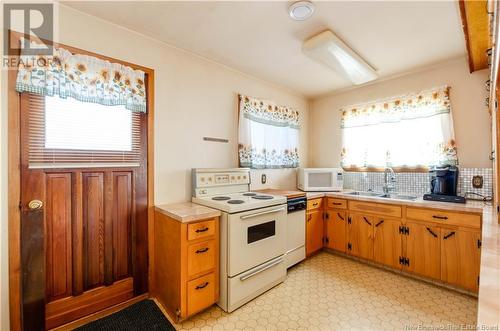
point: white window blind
(71, 133)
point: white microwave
(320, 179)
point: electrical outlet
(263, 179)
(477, 181)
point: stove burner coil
(235, 202)
(262, 197)
(220, 198)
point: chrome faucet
(389, 181)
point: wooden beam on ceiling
(475, 23)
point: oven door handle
(262, 268)
(244, 217)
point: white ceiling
(259, 38)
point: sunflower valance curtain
(268, 134)
(414, 130)
(82, 77)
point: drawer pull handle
(205, 229)
(367, 221)
(262, 268)
(315, 204)
(244, 217)
(440, 217)
(203, 250)
(452, 233)
(379, 223)
(340, 216)
(199, 287)
(336, 203)
(432, 232)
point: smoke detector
(301, 10)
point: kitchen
(202, 70)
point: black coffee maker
(444, 182)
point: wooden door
(336, 230)
(84, 243)
(360, 236)
(423, 249)
(387, 242)
(314, 231)
(460, 257)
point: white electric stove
(252, 233)
(238, 202)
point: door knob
(35, 204)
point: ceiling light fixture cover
(329, 50)
(301, 10)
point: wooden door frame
(14, 175)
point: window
(412, 131)
(71, 124)
(65, 132)
(268, 135)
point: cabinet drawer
(375, 208)
(336, 203)
(201, 257)
(314, 203)
(201, 293)
(444, 217)
(201, 229)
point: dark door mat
(144, 315)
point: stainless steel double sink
(382, 195)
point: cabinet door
(460, 257)
(336, 230)
(360, 234)
(314, 231)
(387, 242)
(423, 249)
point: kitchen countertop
(489, 286)
(186, 212)
(287, 193)
(469, 207)
(489, 283)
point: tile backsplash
(418, 183)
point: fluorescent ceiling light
(329, 50)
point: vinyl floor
(330, 292)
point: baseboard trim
(100, 314)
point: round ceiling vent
(301, 10)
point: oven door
(255, 237)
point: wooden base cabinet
(314, 231)
(460, 257)
(387, 241)
(438, 244)
(423, 249)
(360, 235)
(336, 228)
(186, 266)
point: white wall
(194, 97)
(471, 118)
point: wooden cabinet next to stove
(186, 264)
(314, 226)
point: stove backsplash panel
(418, 183)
